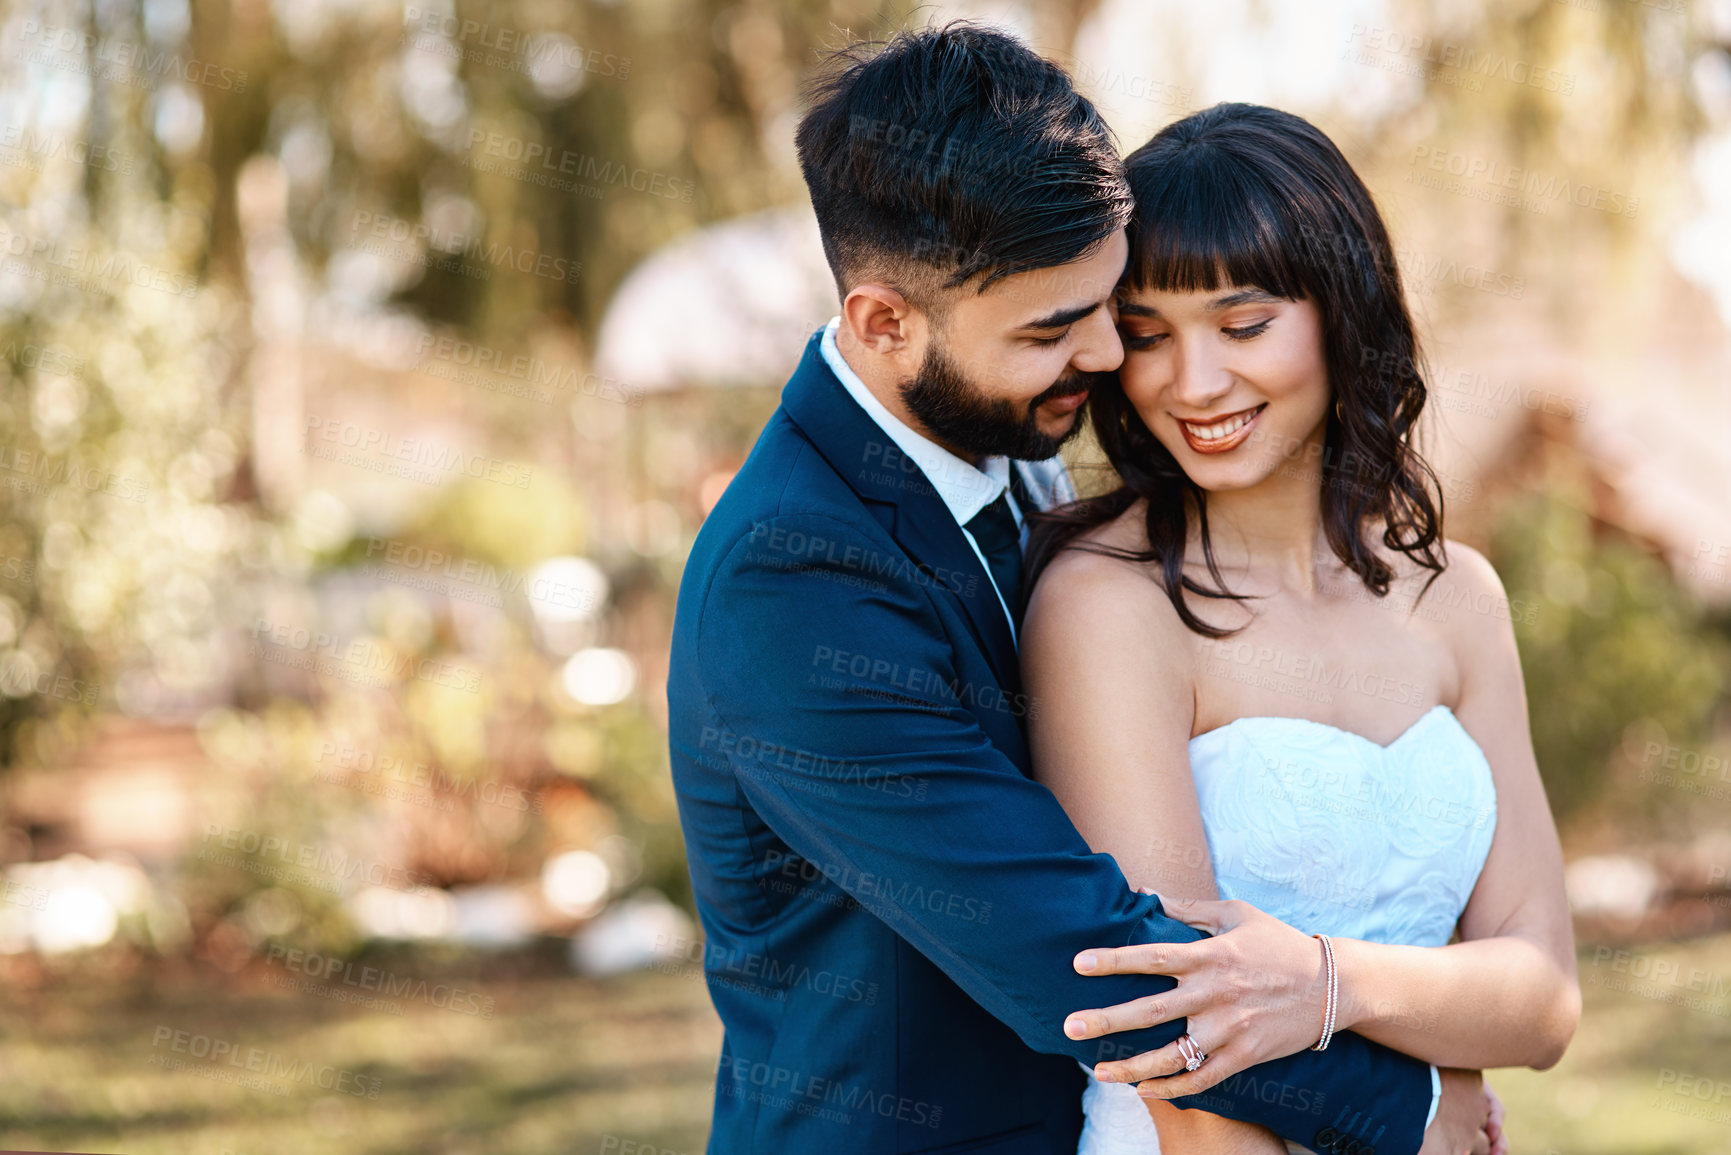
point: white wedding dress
(1331, 833)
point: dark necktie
(1019, 491)
(995, 532)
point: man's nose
(1098, 349)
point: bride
(1245, 688)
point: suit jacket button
(1325, 1138)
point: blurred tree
(122, 437)
(1564, 127)
(1608, 640)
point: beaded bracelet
(1333, 993)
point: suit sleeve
(899, 797)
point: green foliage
(1608, 640)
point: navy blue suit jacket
(890, 902)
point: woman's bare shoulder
(1465, 605)
(1091, 591)
(1095, 564)
(1467, 579)
(1466, 572)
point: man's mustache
(1071, 384)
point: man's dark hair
(954, 153)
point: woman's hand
(1255, 991)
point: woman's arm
(1105, 662)
(1507, 995)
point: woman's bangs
(1183, 240)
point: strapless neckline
(1418, 725)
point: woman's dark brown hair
(1240, 195)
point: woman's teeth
(1221, 429)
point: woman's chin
(1225, 477)
(1240, 468)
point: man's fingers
(1219, 1066)
(1154, 958)
(1148, 1011)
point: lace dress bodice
(1332, 833)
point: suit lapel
(869, 461)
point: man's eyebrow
(1063, 317)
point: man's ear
(880, 320)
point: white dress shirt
(963, 488)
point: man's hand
(1459, 1126)
(1494, 1125)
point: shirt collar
(964, 489)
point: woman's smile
(1220, 434)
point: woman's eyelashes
(1246, 332)
(1135, 342)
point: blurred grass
(563, 1064)
(1606, 1097)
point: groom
(891, 903)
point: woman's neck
(1271, 534)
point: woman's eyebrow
(1242, 297)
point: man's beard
(960, 416)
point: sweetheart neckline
(1398, 739)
